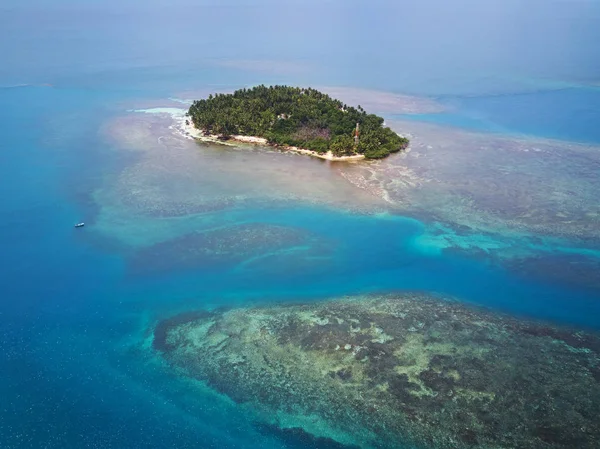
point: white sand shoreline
(187, 127)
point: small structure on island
(356, 134)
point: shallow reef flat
(491, 182)
(174, 176)
(402, 370)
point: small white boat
(80, 225)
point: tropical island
(301, 119)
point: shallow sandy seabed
(543, 186)
(174, 177)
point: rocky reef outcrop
(394, 371)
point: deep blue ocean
(74, 372)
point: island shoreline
(188, 128)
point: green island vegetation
(293, 116)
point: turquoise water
(76, 369)
(75, 319)
(569, 114)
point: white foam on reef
(182, 125)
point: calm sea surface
(77, 305)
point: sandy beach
(187, 128)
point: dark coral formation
(297, 438)
(225, 245)
(570, 269)
(392, 371)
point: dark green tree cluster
(294, 116)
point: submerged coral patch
(396, 370)
(567, 269)
(233, 244)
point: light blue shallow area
(570, 114)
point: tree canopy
(295, 116)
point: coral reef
(231, 244)
(397, 371)
(569, 269)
